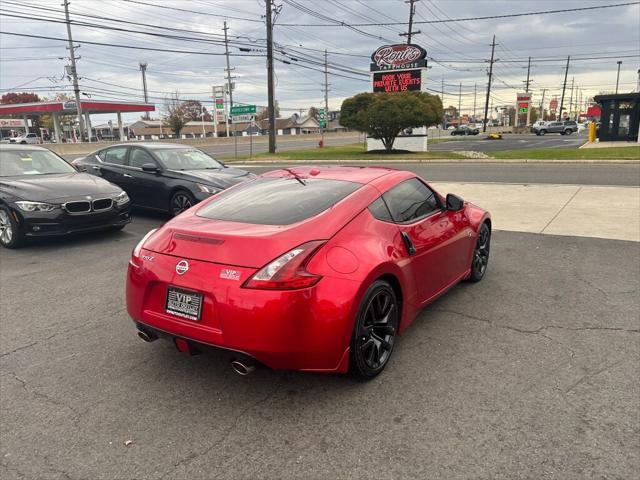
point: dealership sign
(398, 57)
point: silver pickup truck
(563, 128)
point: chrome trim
(64, 206)
(90, 204)
(102, 209)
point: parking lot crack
(225, 436)
(23, 347)
(590, 375)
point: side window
(410, 201)
(139, 157)
(115, 155)
(380, 211)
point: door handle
(126, 175)
(411, 249)
(95, 167)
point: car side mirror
(150, 167)
(454, 202)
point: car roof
(151, 146)
(15, 146)
(333, 172)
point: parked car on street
(465, 130)
(42, 195)
(28, 138)
(162, 176)
(563, 128)
(307, 268)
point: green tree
(384, 115)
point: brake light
(135, 254)
(288, 272)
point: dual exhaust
(242, 367)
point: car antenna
(295, 175)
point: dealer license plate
(183, 303)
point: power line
(466, 19)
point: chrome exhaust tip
(242, 369)
(147, 336)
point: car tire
(374, 331)
(568, 132)
(10, 233)
(23, 143)
(180, 201)
(480, 258)
(453, 134)
(542, 132)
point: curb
(435, 160)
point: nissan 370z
(313, 269)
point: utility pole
(270, 93)
(526, 88)
(541, 114)
(460, 105)
(326, 94)
(618, 77)
(228, 69)
(143, 69)
(74, 71)
(475, 89)
(444, 117)
(412, 11)
(486, 102)
(564, 86)
(571, 97)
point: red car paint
(308, 328)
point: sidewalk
(574, 210)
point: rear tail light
(288, 272)
(135, 254)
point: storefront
(620, 116)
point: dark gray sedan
(162, 176)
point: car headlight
(35, 206)
(121, 199)
(208, 188)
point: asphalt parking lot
(532, 373)
(525, 141)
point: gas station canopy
(69, 107)
(55, 109)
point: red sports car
(314, 269)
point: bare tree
(175, 115)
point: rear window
(277, 201)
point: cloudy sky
(192, 31)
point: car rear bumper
(308, 329)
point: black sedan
(42, 195)
(162, 176)
(465, 130)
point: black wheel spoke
(377, 330)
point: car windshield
(277, 201)
(186, 159)
(31, 162)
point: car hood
(221, 178)
(50, 188)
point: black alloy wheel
(180, 201)
(375, 331)
(480, 259)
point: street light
(618, 77)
